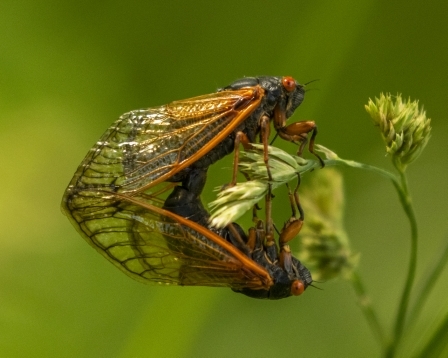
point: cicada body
(146, 147)
(116, 198)
(280, 281)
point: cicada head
(285, 283)
(287, 280)
(284, 92)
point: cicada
(116, 198)
(276, 279)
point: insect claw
(311, 147)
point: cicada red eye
(297, 288)
(289, 83)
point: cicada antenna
(306, 84)
(318, 288)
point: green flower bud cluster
(404, 127)
(324, 245)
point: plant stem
(366, 307)
(437, 345)
(357, 165)
(400, 184)
(405, 200)
(428, 283)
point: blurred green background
(69, 69)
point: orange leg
(265, 124)
(298, 132)
(241, 244)
(291, 228)
(240, 138)
(269, 223)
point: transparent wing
(145, 147)
(156, 246)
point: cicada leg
(265, 125)
(296, 132)
(295, 201)
(237, 240)
(271, 245)
(240, 138)
(291, 228)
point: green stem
(366, 307)
(357, 165)
(428, 283)
(404, 302)
(400, 184)
(436, 346)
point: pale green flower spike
(405, 128)
(323, 242)
(234, 201)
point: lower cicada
(260, 272)
(119, 198)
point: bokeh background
(69, 69)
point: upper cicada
(123, 200)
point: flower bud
(324, 246)
(404, 127)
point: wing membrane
(146, 147)
(156, 246)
